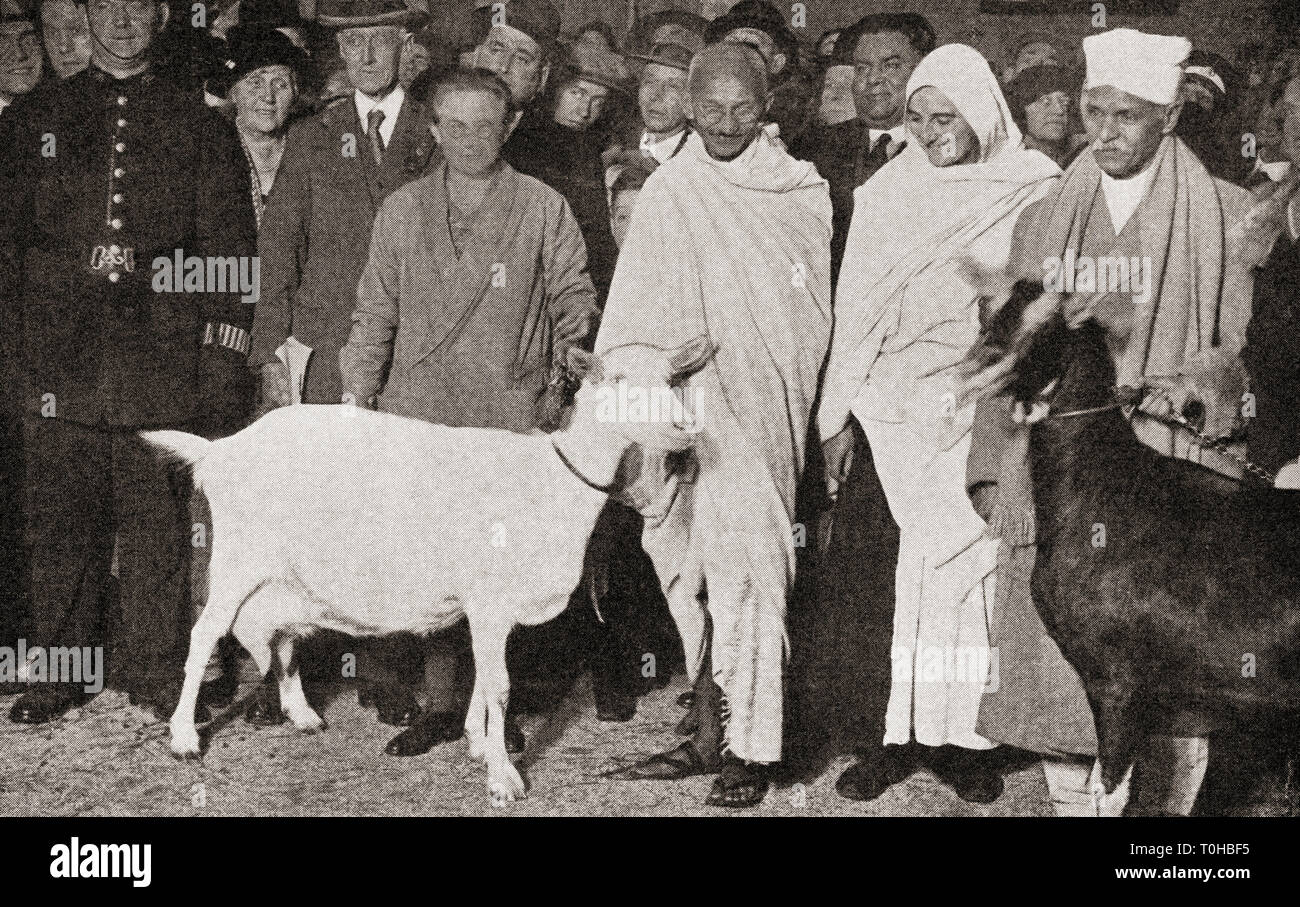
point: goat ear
(582, 364)
(691, 356)
(988, 282)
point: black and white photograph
(855, 411)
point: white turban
(1147, 66)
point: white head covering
(965, 77)
(913, 220)
(1146, 66)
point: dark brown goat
(1167, 586)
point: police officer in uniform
(113, 171)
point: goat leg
(489, 642)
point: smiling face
(1047, 119)
(517, 59)
(662, 97)
(936, 125)
(20, 58)
(373, 57)
(727, 113)
(580, 104)
(882, 64)
(263, 97)
(1125, 131)
(67, 36)
(470, 127)
(123, 28)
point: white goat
(370, 523)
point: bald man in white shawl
(903, 316)
(731, 238)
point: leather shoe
(972, 774)
(428, 730)
(265, 710)
(876, 772)
(398, 709)
(161, 703)
(45, 702)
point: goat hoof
(185, 744)
(506, 785)
(313, 725)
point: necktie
(867, 164)
(373, 121)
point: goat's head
(1025, 343)
(636, 389)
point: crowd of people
(421, 213)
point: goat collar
(603, 489)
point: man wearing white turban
(1137, 194)
(904, 316)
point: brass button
(119, 172)
(121, 100)
(117, 198)
(121, 123)
(114, 277)
(116, 223)
(119, 147)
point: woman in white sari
(903, 317)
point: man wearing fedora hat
(337, 168)
(140, 170)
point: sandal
(683, 761)
(740, 785)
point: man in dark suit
(114, 171)
(883, 49)
(337, 169)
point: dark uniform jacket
(316, 232)
(105, 175)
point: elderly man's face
(125, 28)
(1125, 131)
(727, 113)
(20, 58)
(263, 97)
(67, 36)
(470, 128)
(940, 129)
(662, 97)
(1291, 123)
(373, 57)
(580, 104)
(762, 42)
(516, 58)
(882, 64)
(1047, 119)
